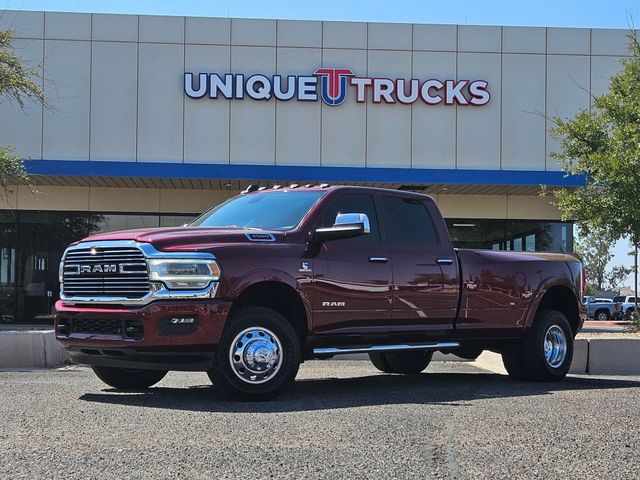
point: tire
(602, 315)
(536, 362)
(468, 353)
(408, 363)
(514, 362)
(258, 355)
(379, 360)
(128, 378)
(529, 360)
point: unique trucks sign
(331, 84)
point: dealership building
(152, 119)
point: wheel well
(564, 300)
(279, 297)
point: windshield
(618, 299)
(265, 211)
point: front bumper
(143, 337)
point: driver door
(352, 277)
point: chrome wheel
(555, 346)
(255, 355)
(602, 316)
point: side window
(353, 203)
(408, 220)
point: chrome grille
(105, 272)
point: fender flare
(270, 275)
(542, 290)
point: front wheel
(602, 315)
(128, 378)
(258, 355)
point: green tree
(617, 276)
(595, 251)
(17, 85)
(603, 145)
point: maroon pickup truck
(273, 277)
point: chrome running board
(385, 348)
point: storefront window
(513, 235)
(112, 223)
(7, 267)
(175, 220)
(41, 240)
(31, 246)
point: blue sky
(551, 13)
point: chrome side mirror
(346, 225)
(353, 219)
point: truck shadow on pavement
(331, 393)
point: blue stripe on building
(82, 168)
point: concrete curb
(614, 356)
(30, 349)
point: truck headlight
(181, 274)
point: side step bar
(385, 348)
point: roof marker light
(250, 188)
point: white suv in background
(627, 305)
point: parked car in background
(600, 308)
(627, 305)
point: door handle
(378, 260)
(444, 261)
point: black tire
(526, 359)
(535, 361)
(602, 315)
(468, 353)
(513, 361)
(223, 374)
(379, 360)
(408, 363)
(128, 378)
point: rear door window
(408, 221)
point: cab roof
(325, 187)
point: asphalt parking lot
(342, 419)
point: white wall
(114, 84)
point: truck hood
(177, 238)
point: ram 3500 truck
(273, 277)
